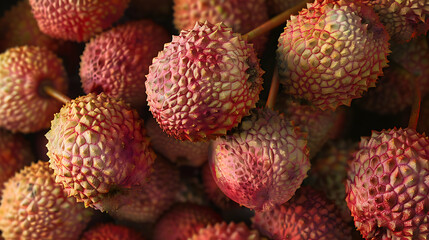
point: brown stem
(415, 108)
(274, 22)
(56, 94)
(274, 88)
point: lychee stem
(56, 94)
(415, 107)
(274, 88)
(274, 22)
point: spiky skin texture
(329, 172)
(110, 231)
(403, 19)
(185, 153)
(213, 192)
(393, 93)
(387, 185)
(240, 15)
(35, 207)
(262, 163)
(203, 82)
(307, 216)
(224, 231)
(318, 124)
(76, 20)
(24, 71)
(18, 27)
(15, 152)
(147, 203)
(331, 53)
(97, 147)
(184, 220)
(116, 61)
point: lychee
(224, 231)
(110, 231)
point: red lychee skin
(147, 203)
(76, 20)
(387, 185)
(116, 61)
(263, 163)
(98, 148)
(332, 52)
(15, 153)
(110, 231)
(24, 71)
(307, 216)
(213, 192)
(184, 220)
(224, 231)
(185, 153)
(240, 15)
(203, 82)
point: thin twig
(56, 94)
(274, 89)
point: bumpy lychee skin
(184, 220)
(97, 147)
(24, 71)
(110, 231)
(307, 216)
(76, 20)
(212, 190)
(332, 52)
(147, 203)
(117, 61)
(15, 152)
(180, 152)
(240, 15)
(35, 207)
(224, 231)
(387, 185)
(263, 163)
(203, 82)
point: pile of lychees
(211, 119)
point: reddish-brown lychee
(110, 231)
(203, 82)
(225, 231)
(387, 185)
(76, 20)
(213, 192)
(116, 61)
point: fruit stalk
(274, 22)
(274, 88)
(56, 94)
(415, 107)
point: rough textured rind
(224, 231)
(147, 203)
(76, 20)
(387, 185)
(213, 192)
(15, 152)
(331, 53)
(184, 220)
(24, 71)
(35, 207)
(307, 216)
(203, 82)
(262, 163)
(110, 231)
(240, 15)
(97, 147)
(180, 152)
(116, 61)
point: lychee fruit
(332, 52)
(76, 20)
(110, 231)
(225, 231)
(35, 207)
(203, 82)
(387, 185)
(24, 72)
(262, 163)
(184, 220)
(116, 61)
(97, 148)
(307, 216)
